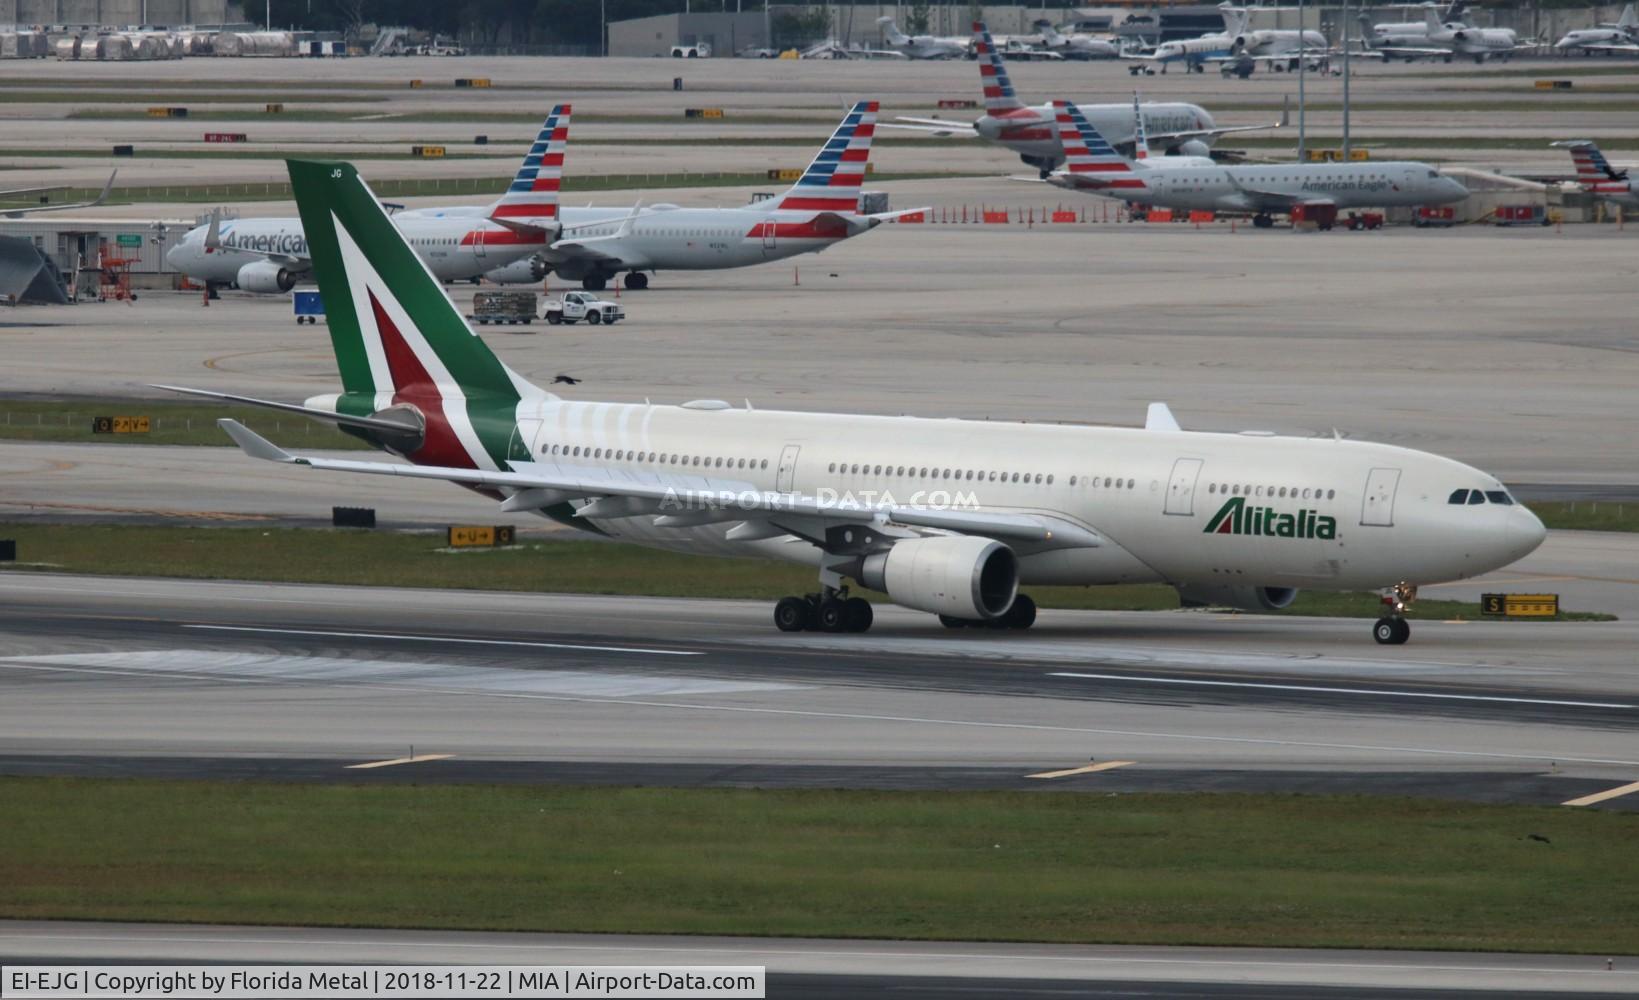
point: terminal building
(119, 12)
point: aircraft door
(1378, 507)
(769, 230)
(785, 479)
(478, 244)
(1181, 489)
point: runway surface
(114, 676)
(811, 968)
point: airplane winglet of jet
(17, 213)
(1159, 418)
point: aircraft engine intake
(528, 271)
(1244, 598)
(265, 278)
(961, 576)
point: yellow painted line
(418, 758)
(1609, 793)
(1089, 769)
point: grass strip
(420, 559)
(1264, 870)
(451, 186)
(1588, 515)
(184, 423)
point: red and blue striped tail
(999, 95)
(832, 182)
(533, 193)
(1087, 152)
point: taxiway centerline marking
(1609, 793)
(442, 638)
(1089, 769)
(418, 758)
(1342, 690)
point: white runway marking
(449, 639)
(440, 678)
(84, 664)
(1340, 690)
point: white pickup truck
(576, 306)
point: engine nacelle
(1245, 598)
(265, 278)
(1194, 147)
(531, 270)
(960, 576)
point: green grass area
(401, 187)
(1384, 147)
(420, 559)
(149, 97)
(1290, 871)
(1589, 515)
(182, 422)
(294, 111)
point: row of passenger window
(660, 458)
(1471, 497)
(966, 475)
(1272, 492)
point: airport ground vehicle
(510, 308)
(576, 306)
(1365, 220)
(307, 306)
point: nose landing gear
(1392, 629)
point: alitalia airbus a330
(949, 517)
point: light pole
(1345, 80)
(1302, 103)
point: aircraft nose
(173, 256)
(1525, 531)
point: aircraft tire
(831, 616)
(792, 614)
(1391, 631)
(859, 614)
(594, 282)
(637, 281)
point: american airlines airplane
(949, 517)
(1029, 132)
(818, 211)
(1260, 190)
(270, 256)
(1598, 177)
(1622, 36)
(921, 46)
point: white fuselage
(1031, 133)
(699, 239)
(1313, 512)
(1281, 42)
(1587, 38)
(1237, 188)
(455, 249)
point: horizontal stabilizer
(327, 416)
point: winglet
(253, 444)
(1159, 418)
(107, 187)
(213, 235)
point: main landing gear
(831, 611)
(1263, 220)
(1021, 615)
(1392, 629)
(636, 281)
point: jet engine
(265, 278)
(1193, 147)
(961, 576)
(528, 271)
(1245, 598)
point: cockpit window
(1458, 497)
(1474, 497)
(1499, 496)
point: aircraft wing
(933, 126)
(1412, 50)
(1610, 48)
(1185, 136)
(692, 500)
(13, 213)
(564, 251)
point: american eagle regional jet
(944, 516)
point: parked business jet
(1029, 131)
(818, 211)
(1077, 46)
(1446, 40)
(921, 46)
(41, 205)
(1259, 190)
(1622, 36)
(271, 255)
(1599, 178)
(949, 517)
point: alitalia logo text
(1236, 518)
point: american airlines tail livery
(950, 517)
